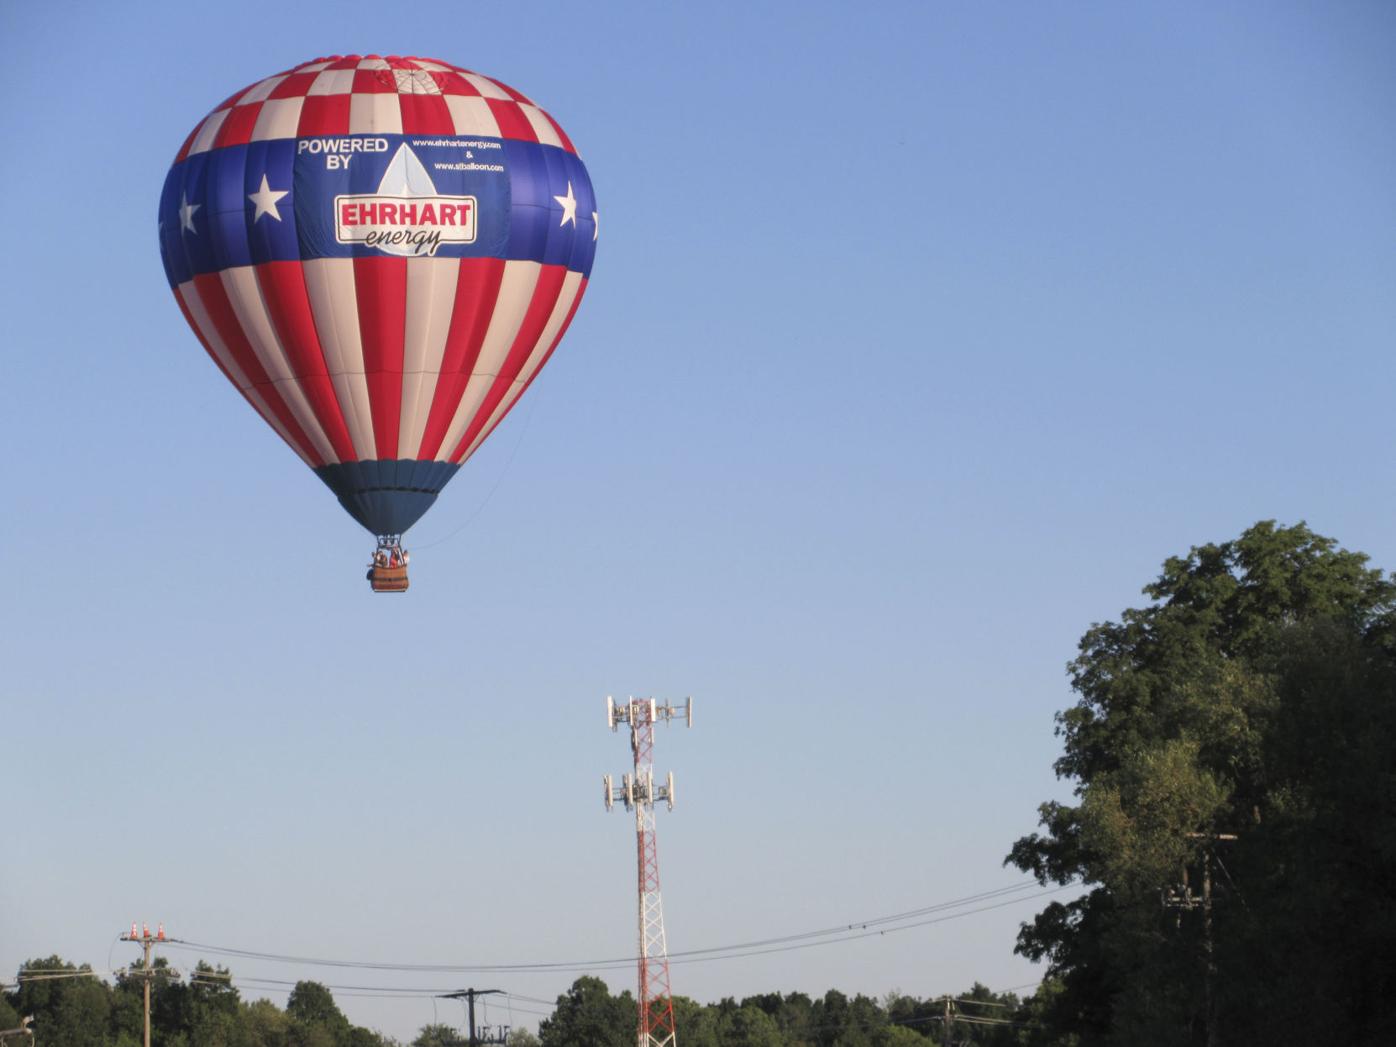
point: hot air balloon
(380, 254)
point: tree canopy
(590, 1014)
(1234, 830)
(72, 1006)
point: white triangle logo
(406, 176)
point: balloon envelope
(380, 253)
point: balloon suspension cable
(390, 552)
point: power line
(875, 926)
(877, 933)
(70, 972)
(859, 925)
(981, 1003)
(372, 992)
(260, 984)
(855, 930)
(530, 999)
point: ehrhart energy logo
(406, 217)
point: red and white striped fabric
(420, 357)
(373, 95)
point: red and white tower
(639, 792)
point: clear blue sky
(918, 336)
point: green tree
(694, 1024)
(361, 1037)
(587, 1015)
(306, 1035)
(69, 1006)
(267, 1024)
(837, 1021)
(316, 1020)
(521, 1037)
(866, 1021)
(127, 1014)
(1033, 1014)
(901, 1036)
(1178, 736)
(748, 1026)
(437, 1035)
(1314, 941)
(205, 1010)
(9, 1017)
(796, 1018)
(908, 1014)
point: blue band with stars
(275, 200)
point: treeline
(589, 1015)
(206, 1010)
(1234, 757)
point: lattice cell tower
(639, 792)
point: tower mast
(639, 792)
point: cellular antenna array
(638, 792)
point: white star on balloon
(595, 224)
(186, 214)
(264, 200)
(569, 207)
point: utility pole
(1175, 898)
(1209, 959)
(469, 996)
(949, 1021)
(638, 792)
(147, 941)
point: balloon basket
(388, 579)
(387, 573)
